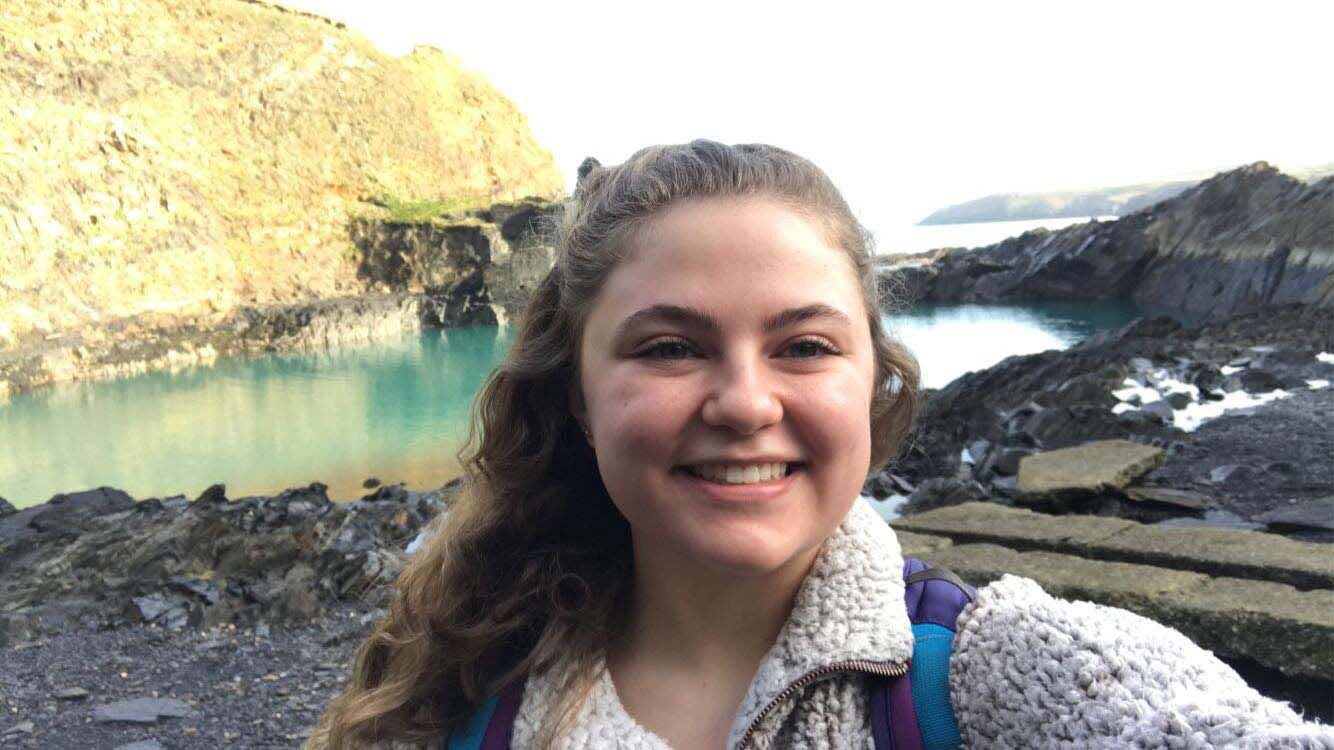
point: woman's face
(733, 337)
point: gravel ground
(246, 688)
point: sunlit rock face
(173, 161)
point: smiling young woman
(659, 543)
(732, 337)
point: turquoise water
(396, 410)
(950, 340)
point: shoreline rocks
(1091, 469)
(99, 559)
(984, 424)
(477, 268)
(1238, 242)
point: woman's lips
(740, 493)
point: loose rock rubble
(97, 559)
(1146, 383)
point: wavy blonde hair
(531, 565)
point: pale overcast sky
(909, 106)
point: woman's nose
(742, 398)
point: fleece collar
(850, 607)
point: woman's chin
(750, 555)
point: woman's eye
(809, 348)
(668, 349)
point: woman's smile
(755, 483)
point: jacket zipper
(872, 667)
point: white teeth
(736, 474)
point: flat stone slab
(1133, 587)
(1012, 527)
(917, 545)
(1089, 469)
(143, 710)
(1273, 624)
(1234, 553)
(1218, 552)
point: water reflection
(950, 340)
(396, 410)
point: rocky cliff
(1240, 241)
(477, 267)
(170, 163)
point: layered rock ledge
(466, 268)
(1238, 242)
(1252, 598)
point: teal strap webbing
(470, 735)
(929, 677)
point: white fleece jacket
(1028, 671)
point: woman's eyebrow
(801, 314)
(696, 318)
(684, 316)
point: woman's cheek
(644, 416)
(844, 408)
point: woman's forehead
(733, 246)
(715, 269)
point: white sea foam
(1317, 384)
(417, 542)
(1326, 357)
(889, 507)
(1229, 369)
(1195, 414)
(1133, 388)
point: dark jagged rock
(6, 508)
(943, 491)
(97, 559)
(1313, 514)
(1256, 380)
(1240, 241)
(883, 484)
(390, 492)
(1059, 399)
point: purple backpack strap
(933, 597)
(501, 729)
(892, 698)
